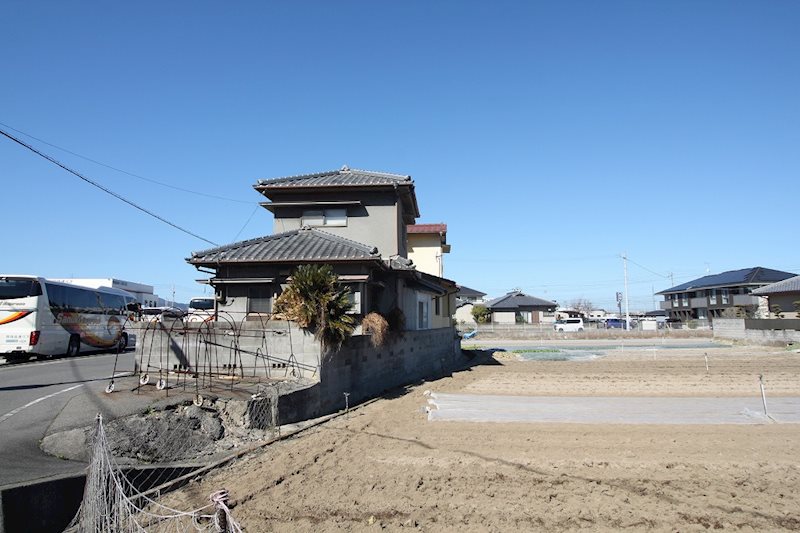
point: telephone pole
(627, 311)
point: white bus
(44, 317)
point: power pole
(627, 311)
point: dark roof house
(712, 296)
(518, 301)
(747, 277)
(517, 307)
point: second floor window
(325, 217)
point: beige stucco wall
(425, 250)
(464, 315)
(377, 221)
(504, 317)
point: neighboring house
(466, 299)
(519, 308)
(783, 294)
(465, 294)
(599, 315)
(353, 220)
(427, 244)
(565, 312)
(726, 293)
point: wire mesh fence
(212, 393)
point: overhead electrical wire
(645, 268)
(137, 176)
(104, 189)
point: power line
(108, 191)
(645, 268)
(137, 176)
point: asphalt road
(33, 395)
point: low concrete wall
(260, 349)
(49, 506)
(364, 371)
(44, 507)
(358, 368)
(755, 331)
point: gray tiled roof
(302, 245)
(344, 177)
(733, 278)
(464, 291)
(787, 285)
(518, 300)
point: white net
(111, 503)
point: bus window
(11, 289)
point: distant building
(143, 293)
(465, 294)
(519, 308)
(427, 244)
(466, 299)
(711, 296)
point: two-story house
(353, 220)
(712, 296)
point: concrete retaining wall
(358, 368)
(259, 349)
(364, 371)
(743, 330)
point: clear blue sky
(550, 137)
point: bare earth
(385, 466)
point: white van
(568, 324)
(201, 309)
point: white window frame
(355, 301)
(334, 217)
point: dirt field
(385, 466)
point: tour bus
(44, 317)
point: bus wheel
(122, 343)
(74, 346)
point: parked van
(616, 323)
(568, 324)
(201, 309)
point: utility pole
(627, 310)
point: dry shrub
(289, 305)
(397, 320)
(377, 327)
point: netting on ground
(111, 503)
(207, 407)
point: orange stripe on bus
(14, 316)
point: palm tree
(315, 301)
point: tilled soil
(385, 466)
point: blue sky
(550, 137)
